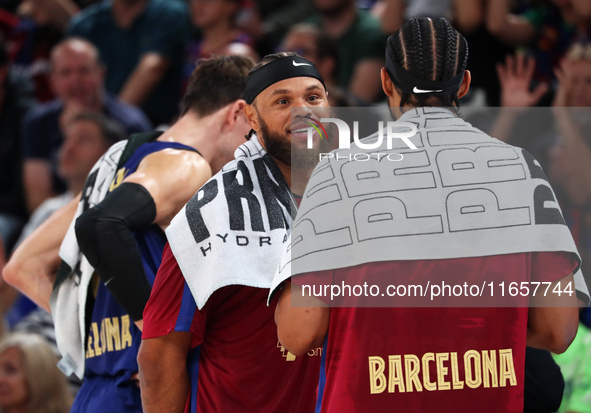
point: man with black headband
(208, 333)
(462, 209)
(113, 248)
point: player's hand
(515, 77)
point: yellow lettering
(103, 334)
(125, 334)
(429, 385)
(377, 379)
(113, 335)
(455, 374)
(89, 351)
(442, 371)
(396, 377)
(473, 377)
(97, 347)
(507, 368)
(412, 369)
(489, 368)
(118, 178)
(315, 352)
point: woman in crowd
(30, 382)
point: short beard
(280, 149)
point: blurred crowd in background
(78, 75)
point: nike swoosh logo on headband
(300, 64)
(417, 90)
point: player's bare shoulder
(180, 164)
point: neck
(201, 133)
(338, 22)
(126, 12)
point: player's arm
(162, 184)
(553, 318)
(33, 266)
(164, 380)
(302, 327)
(149, 71)
(172, 177)
(171, 319)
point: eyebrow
(287, 91)
(312, 87)
(280, 92)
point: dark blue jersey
(113, 339)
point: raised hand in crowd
(565, 81)
(515, 77)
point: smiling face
(270, 116)
(14, 389)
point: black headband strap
(409, 83)
(276, 71)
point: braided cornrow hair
(431, 50)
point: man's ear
(387, 85)
(252, 116)
(465, 86)
(235, 111)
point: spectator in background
(77, 80)
(469, 16)
(87, 136)
(30, 381)
(40, 26)
(16, 98)
(549, 29)
(267, 21)
(311, 43)
(360, 43)
(393, 13)
(517, 94)
(9, 5)
(564, 150)
(390, 13)
(219, 33)
(572, 111)
(142, 43)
